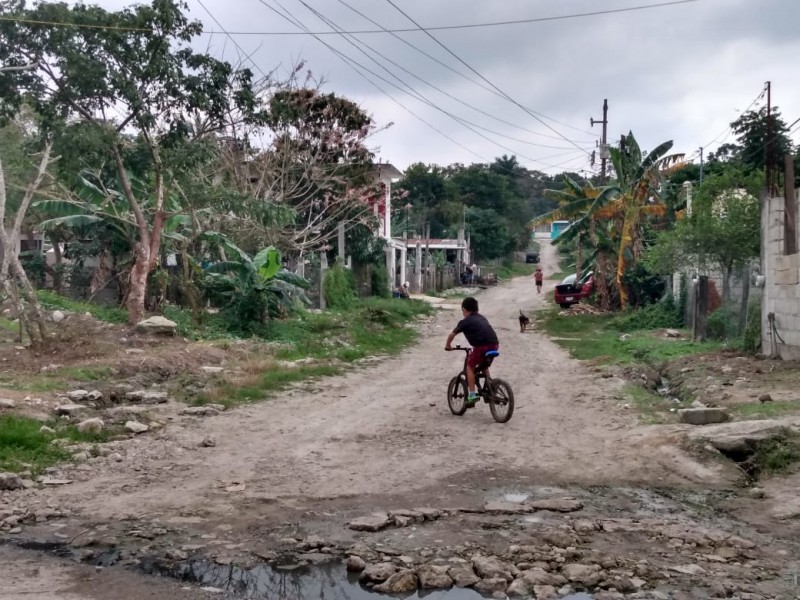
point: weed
(109, 314)
(777, 455)
(597, 338)
(24, 448)
(652, 407)
(766, 410)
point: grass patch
(254, 387)
(205, 326)
(370, 327)
(766, 410)
(653, 409)
(110, 314)
(24, 448)
(596, 338)
(777, 455)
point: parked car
(568, 292)
(532, 257)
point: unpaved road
(386, 430)
(378, 438)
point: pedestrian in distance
(537, 277)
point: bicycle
(497, 393)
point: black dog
(523, 322)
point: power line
(471, 68)
(422, 98)
(460, 74)
(365, 31)
(360, 68)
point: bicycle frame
(481, 377)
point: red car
(568, 292)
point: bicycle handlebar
(458, 348)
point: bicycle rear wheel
(457, 395)
(501, 400)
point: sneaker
(472, 398)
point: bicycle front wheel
(501, 400)
(457, 395)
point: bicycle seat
(492, 354)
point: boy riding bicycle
(481, 337)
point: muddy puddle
(264, 582)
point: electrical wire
(361, 69)
(422, 98)
(365, 31)
(471, 68)
(459, 73)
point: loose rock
(402, 582)
(5, 403)
(562, 505)
(355, 564)
(375, 522)
(492, 568)
(587, 575)
(94, 425)
(70, 409)
(703, 416)
(200, 411)
(147, 396)
(77, 395)
(136, 427)
(158, 325)
(433, 577)
(519, 588)
(10, 481)
(765, 397)
(463, 575)
(46, 430)
(208, 442)
(490, 586)
(377, 573)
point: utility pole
(603, 145)
(768, 145)
(701, 164)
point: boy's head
(469, 305)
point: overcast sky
(677, 72)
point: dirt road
(382, 438)
(386, 430)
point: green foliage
(490, 235)
(778, 454)
(597, 338)
(380, 282)
(339, 287)
(252, 291)
(644, 286)
(661, 315)
(751, 341)
(109, 314)
(723, 324)
(23, 447)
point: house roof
(388, 171)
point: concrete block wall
(782, 283)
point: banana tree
(254, 290)
(635, 195)
(96, 210)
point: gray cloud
(677, 72)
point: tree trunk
(602, 282)
(58, 267)
(578, 260)
(726, 285)
(137, 287)
(625, 246)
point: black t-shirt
(477, 330)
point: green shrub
(379, 278)
(723, 324)
(664, 314)
(340, 287)
(751, 341)
(110, 314)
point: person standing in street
(537, 277)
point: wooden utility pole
(603, 144)
(701, 164)
(768, 166)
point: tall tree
(132, 71)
